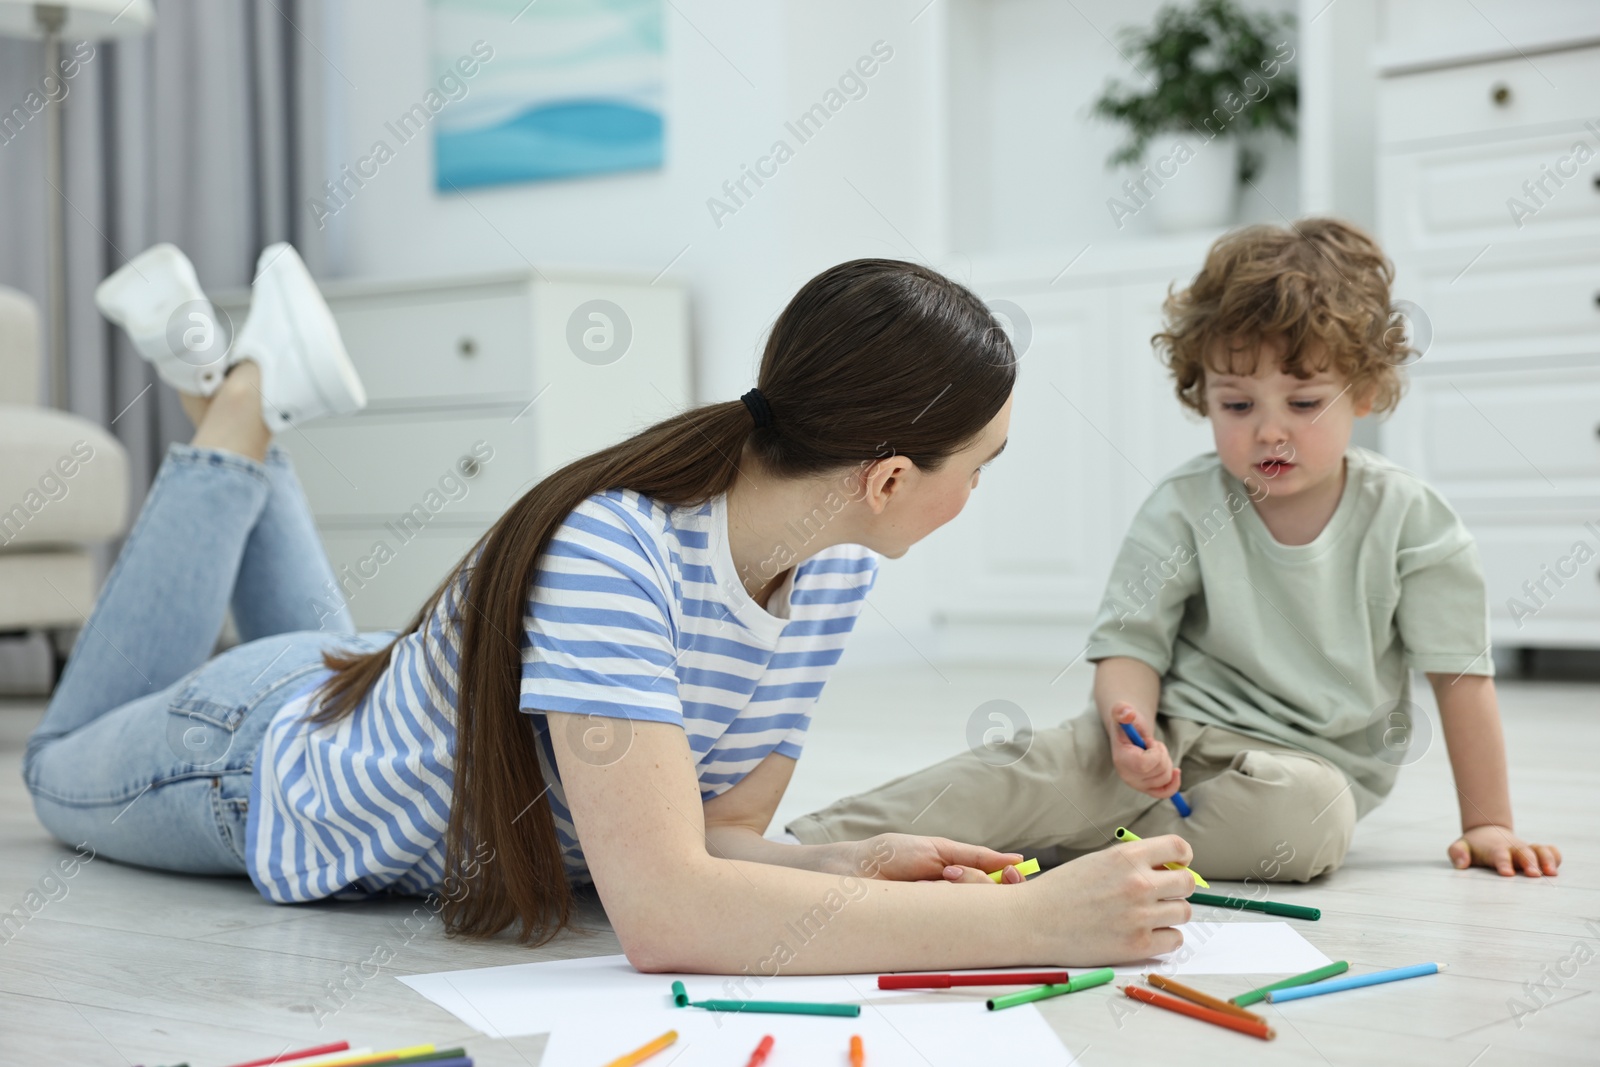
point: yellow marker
(644, 1052)
(1026, 867)
(353, 1059)
(1124, 834)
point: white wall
(1029, 165)
(735, 73)
(869, 183)
(1338, 112)
(1020, 166)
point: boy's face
(1280, 431)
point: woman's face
(909, 503)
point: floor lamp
(77, 20)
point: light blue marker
(1353, 981)
(1177, 798)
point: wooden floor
(137, 967)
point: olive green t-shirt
(1304, 645)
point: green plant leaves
(1210, 69)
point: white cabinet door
(387, 575)
(1530, 189)
(1541, 576)
(1038, 547)
(1527, 435)
(387, 467)
(1517, 453)
(1532, 300)
(1483, 101)
(434, 349)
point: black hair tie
(760, 410)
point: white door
(1039, 546)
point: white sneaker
(156, 297)
(291, 335)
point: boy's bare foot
(231, 418)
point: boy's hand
(1498, 847)
(1149, 770)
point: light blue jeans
(146, 750)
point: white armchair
(63, 489)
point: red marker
(759, 1056)
(287, 1057)
(948, 981)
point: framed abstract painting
(557, 89)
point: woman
(612, 686)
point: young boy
(1264, 613)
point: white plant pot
(1204, 191)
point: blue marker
(1354, 981)
(1177, 798)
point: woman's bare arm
(737, 821)
(675, 906)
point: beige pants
(1260, 811)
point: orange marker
(759, 1056)
(1203, 999)
(1259, 1028)
(644, 1052)
(858, 1055)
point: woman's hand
(1117, 905)
(908, 858)
(1149, 770)
(1499, 847)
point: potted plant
(1213, 75)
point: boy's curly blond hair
(1321, 280)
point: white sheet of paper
(1230, 947)
(533, 998)
(893, 1035)
(587, 998)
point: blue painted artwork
(557, 89)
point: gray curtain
(204, 132)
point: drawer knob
(467, 347)
(468, 467)
(1500, 93)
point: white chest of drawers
(477, 388)
(1489, 203)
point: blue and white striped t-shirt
(636, 612)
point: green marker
(779, 1007)
(1028, 996)
(1270, 907)
(1245, 999)
(425, 1057)
(680, 995)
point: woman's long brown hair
(871, 358)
